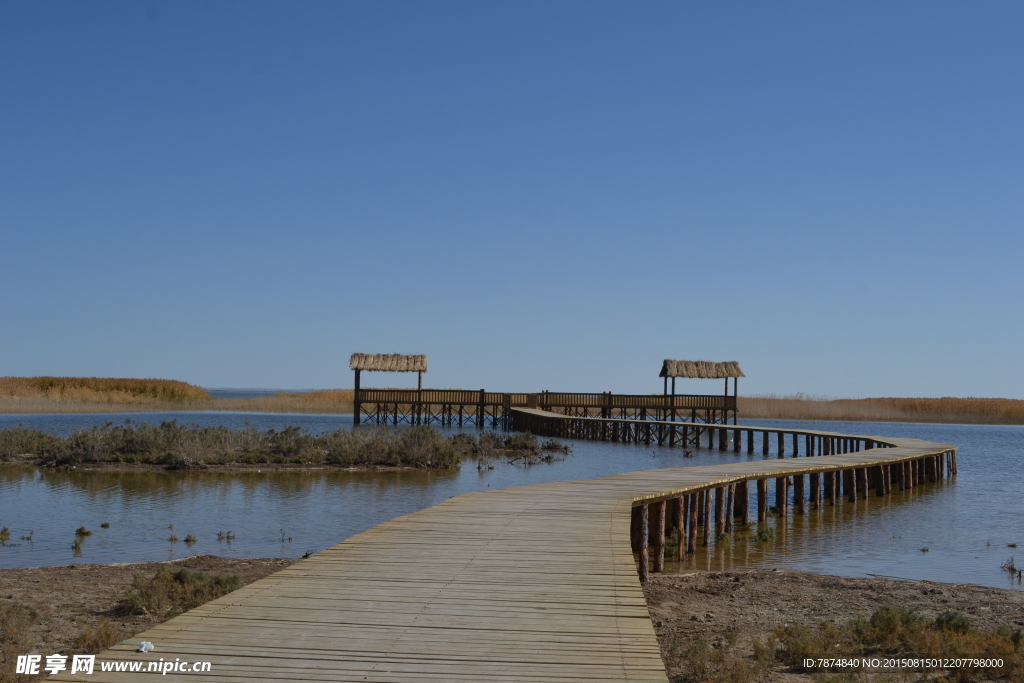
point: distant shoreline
(64, 395)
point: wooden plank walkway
(536, 584)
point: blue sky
(537, 195)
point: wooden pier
(536, 583)
(462, 408)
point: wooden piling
(691, 536)
(849, 485)
(764, 445)
(719, 511)
(782, 444)
(798, 493)
(743, 502)
(729, 509)
(815, 490)
(762, 501)
(706, 496)
(679, 522)
(659, 537)
(782, 495)
(644, 558)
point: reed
(187, 447)
(100, 389)
(894, 630)
(172, 592)
(947, 410)
(330, 401)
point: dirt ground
(66, 599)
(744, 605)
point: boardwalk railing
(537, 583)
(461, 407)
(684, 513)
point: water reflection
(966, 523)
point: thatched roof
(387, 362)
(700, 369)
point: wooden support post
(796, 445)
(863, 484)
(782, 495)
(750, 441)
(730, 509)
(711, 438)
(879, 480)
(723, 439)
(830, 484)
(737, 440)
(815, 490)
(691, 537)
(743, 501)
(356, 405)
(719, 511)
(849, 486)
(659, 537)
(798, 493)
(644, 557)
(956, 467)
(679, 522)
(706, 497)
(782, 444)
(762, 500)
(764, 446)
(833, 494)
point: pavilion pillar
(355, 401)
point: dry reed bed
(948, 410)
(187, 447)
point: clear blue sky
(537, 195)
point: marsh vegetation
(946, 410)
(187, 447)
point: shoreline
(115, 467)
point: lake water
(966, 523)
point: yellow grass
(116, 395)
(948, 409)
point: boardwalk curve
(536, 583)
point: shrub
(171, 592)
(94, 639)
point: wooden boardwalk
(537, 583)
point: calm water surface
(967, 524)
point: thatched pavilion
(385, 362)
(703, 369)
